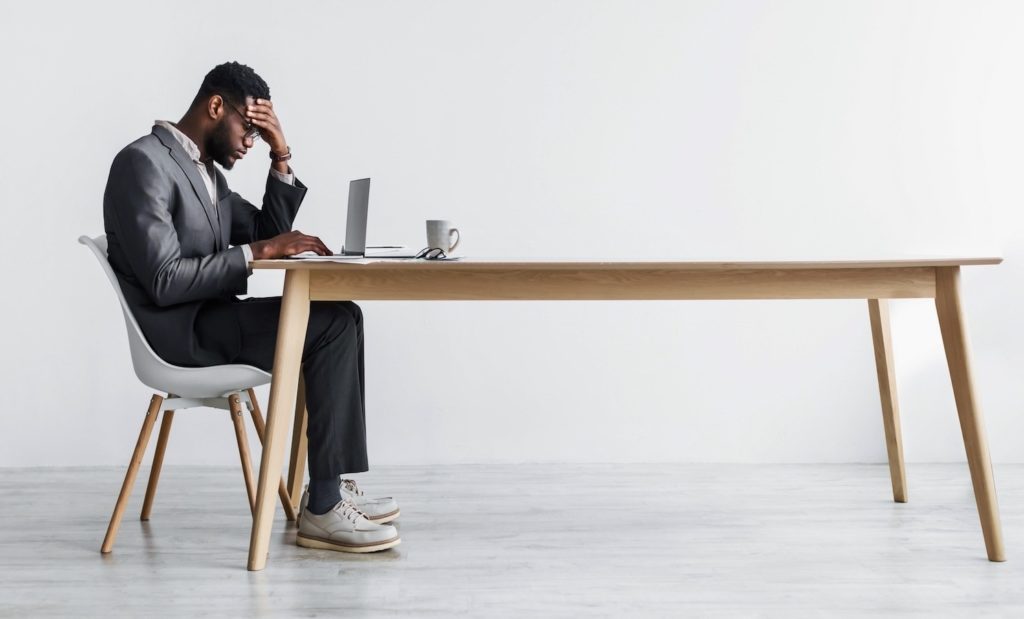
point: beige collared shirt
(210, 180)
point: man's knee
(354, 310)
(332, 320)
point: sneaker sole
(382, 519)
(386, 518)
(309, 541)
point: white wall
(683, 130)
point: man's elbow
(162, 297)
(164, 292)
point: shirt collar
(190, 147)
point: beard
(218, 146)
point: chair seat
(208, 382)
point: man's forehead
(232, 99)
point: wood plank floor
(532, 540)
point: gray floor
(591, 540)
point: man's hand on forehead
(261, 114)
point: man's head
(219, 108)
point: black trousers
(332, 366)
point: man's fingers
(260, 114)
(321, 246)
(311, 243)
(257, 109)
(297, 242)
(321, 249)
(264, 122)
(266, 125)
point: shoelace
(350, 485)
(348, 510)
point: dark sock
(324, 494)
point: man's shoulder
(148, 145)
(146, 157)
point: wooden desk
(876, 282)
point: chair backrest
(154, 372)
(149, 367)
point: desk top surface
(495, 264)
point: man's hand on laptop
(288, 244)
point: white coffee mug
(440, 233)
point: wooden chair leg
(879, 312)
(297, 460)
(133, 468)
(954, 339)
(243, 450)
(257, 420)
(158, 462)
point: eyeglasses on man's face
(252, 132)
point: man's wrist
(281, 167)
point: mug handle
(458, 236)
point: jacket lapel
(189, 168)
(224, 208)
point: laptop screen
(355, 227)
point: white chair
(224, 386)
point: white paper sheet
(342, 259)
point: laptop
(355, 227)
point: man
(180, 242)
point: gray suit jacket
(169, 245)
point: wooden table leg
(954, 338)
(291, 337)
(879, 312)
(297, 460)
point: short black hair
(234, 82)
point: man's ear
(214, 107)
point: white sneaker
(347, 529)
(381, 510)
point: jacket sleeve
(281, 203)
(139, 196)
